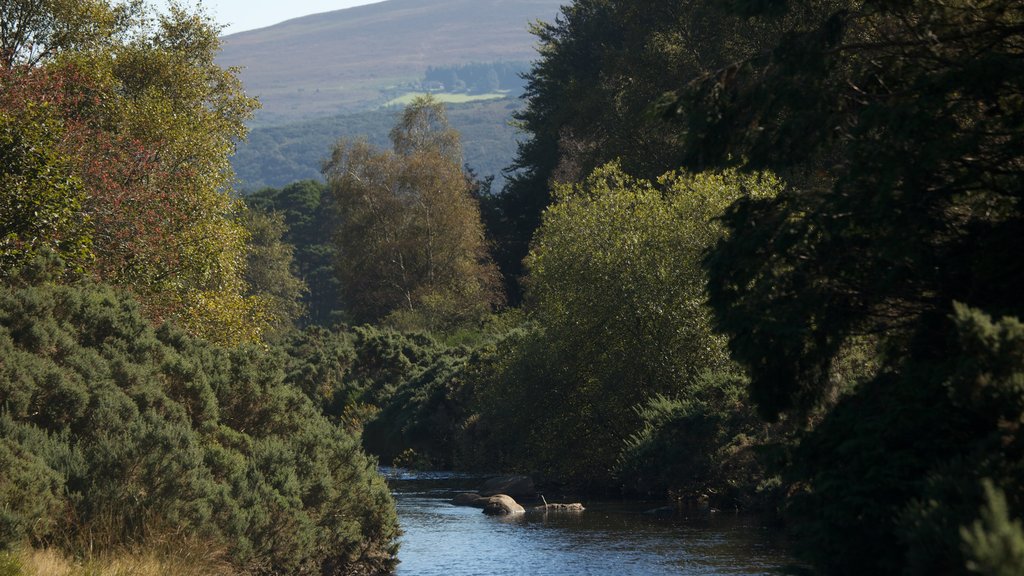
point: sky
(242, 15)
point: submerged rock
(502, 504)
(562, 507)
(469, 499)
(515, 486)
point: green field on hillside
(447, 97)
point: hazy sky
(240, 15)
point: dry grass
(50, 562)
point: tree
(34, 31)
(305, 207)
(409, 236)
(268, 271)
(41, 202)
(900, 130)
(147, 121)
(616, 290)
(590, 95)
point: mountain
(358, 58)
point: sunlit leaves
(145, 121)
(40, 196)
(409, 237)
(616, 268)
(617, 291)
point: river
(609, 538)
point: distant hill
(278, 155)
(354, 59)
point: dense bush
(896, 468)
(113, 433)
(427, 415)
(616, 291)
(699, 446)
(402, 391)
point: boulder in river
(502, 504)
(515, 486)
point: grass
(51, 562)
(447, 97)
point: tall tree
(900, 127)
(617, 293)
(410, 241)
(268, 272)
(146, 123)
(305, 207)
(602, 65)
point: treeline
(871, 296)
(146, 419)
(752, 255)
(478, 78)
(761, 254)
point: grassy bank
(189, 559)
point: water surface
(610, 538)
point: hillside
(278, 155)
(346, 60)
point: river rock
(562, 507)
(663, 511)
(515, 486)
(469, 499)
(502, 504)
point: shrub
(112, 433)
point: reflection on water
(607, 539)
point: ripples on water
(613, 539)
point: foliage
(41, 204)
(700, 446)
(409, 239)
(617, 292)
(602, 65)
(994, 544)
(37, 30)
(345, 371)
(116, 434)
(268, 271)
(141, 122)
(899, 129)
(406, 393)
(306, 212)
(426, 414)
(894, 469)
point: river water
(609, 538)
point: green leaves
(128, 179)
(994, 543)
(112, 434)
(42, 197)
(617, 291)
(409, 239)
